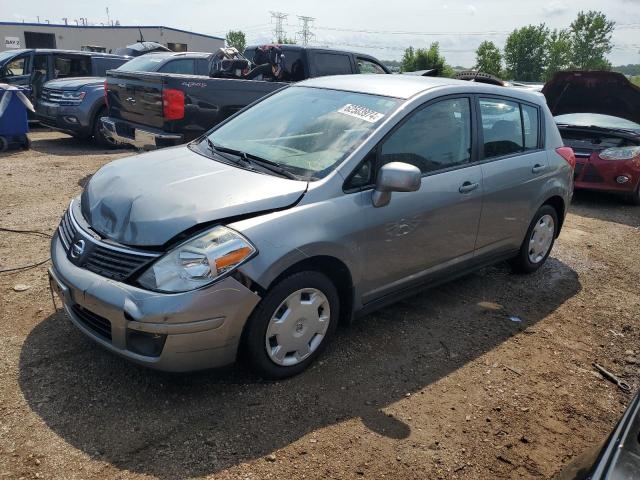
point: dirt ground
(443, 385)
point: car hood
(74, 83)
(148, 199)
(607, 93)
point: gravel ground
(442, 385)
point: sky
(381, 28)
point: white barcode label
(363, 113)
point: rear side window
(508, 127)
(501, 127)
(434, 138)
(367, 66)
(331, 64)
(101, 65)
(184, 66)
(70, 66)
(531, 127)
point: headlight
(73, 97)
(198, 262)
(621, 153)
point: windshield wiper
(253, 159)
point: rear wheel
(538, 242)
(100, 138)
(292, 325)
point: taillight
(106, 97)
(173, 104)
(568, 155)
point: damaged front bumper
(172, 332)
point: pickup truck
(154, 109)
(75, 105)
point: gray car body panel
(433, 233)
(148, 199)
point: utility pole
(108, 18)
(279, 18)
(306, 34)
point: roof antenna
(141, 37)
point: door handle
(467, 187)
(538, 168)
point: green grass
(636, 80)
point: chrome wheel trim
(297, 327)
(541, 238)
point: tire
(4, 144)
(271, 333)
(26, 143)
(100, 138)
(634, 198)
(531, 259)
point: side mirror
(395, 177)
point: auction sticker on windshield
(363, 113)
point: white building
(14, 35)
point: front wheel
(98, 135)
(538, 242)
(292, 325)
(634, 198)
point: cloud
(471, 9)
(555, 7)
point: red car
(598, 115)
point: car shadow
(604, 206)
(178, 426)
(70, 146)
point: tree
(237, 40)
(426, 59)
(525, 53)
(590, 36)
(489, 59)
(559, 53)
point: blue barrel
(13, 122)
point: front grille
(53, 96)
(97, 324)
(591, 175)
(66, 230)
(99, 257)
(113, 263)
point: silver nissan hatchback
(322, 201)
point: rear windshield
(144, 63)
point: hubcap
(297, 327)
(541, 238)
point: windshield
(596, 120)
(145, 63)
(4, 56)
(307, 131)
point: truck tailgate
(136, 97)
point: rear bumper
(139, 136)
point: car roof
(177, 54)
(407, 86)
(75, 52)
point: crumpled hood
(146, 200)
(74, 83)
(606, 93)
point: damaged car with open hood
(326, 199)
(598, 115)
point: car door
(513, 169)
(424, 232)
(17, 71)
